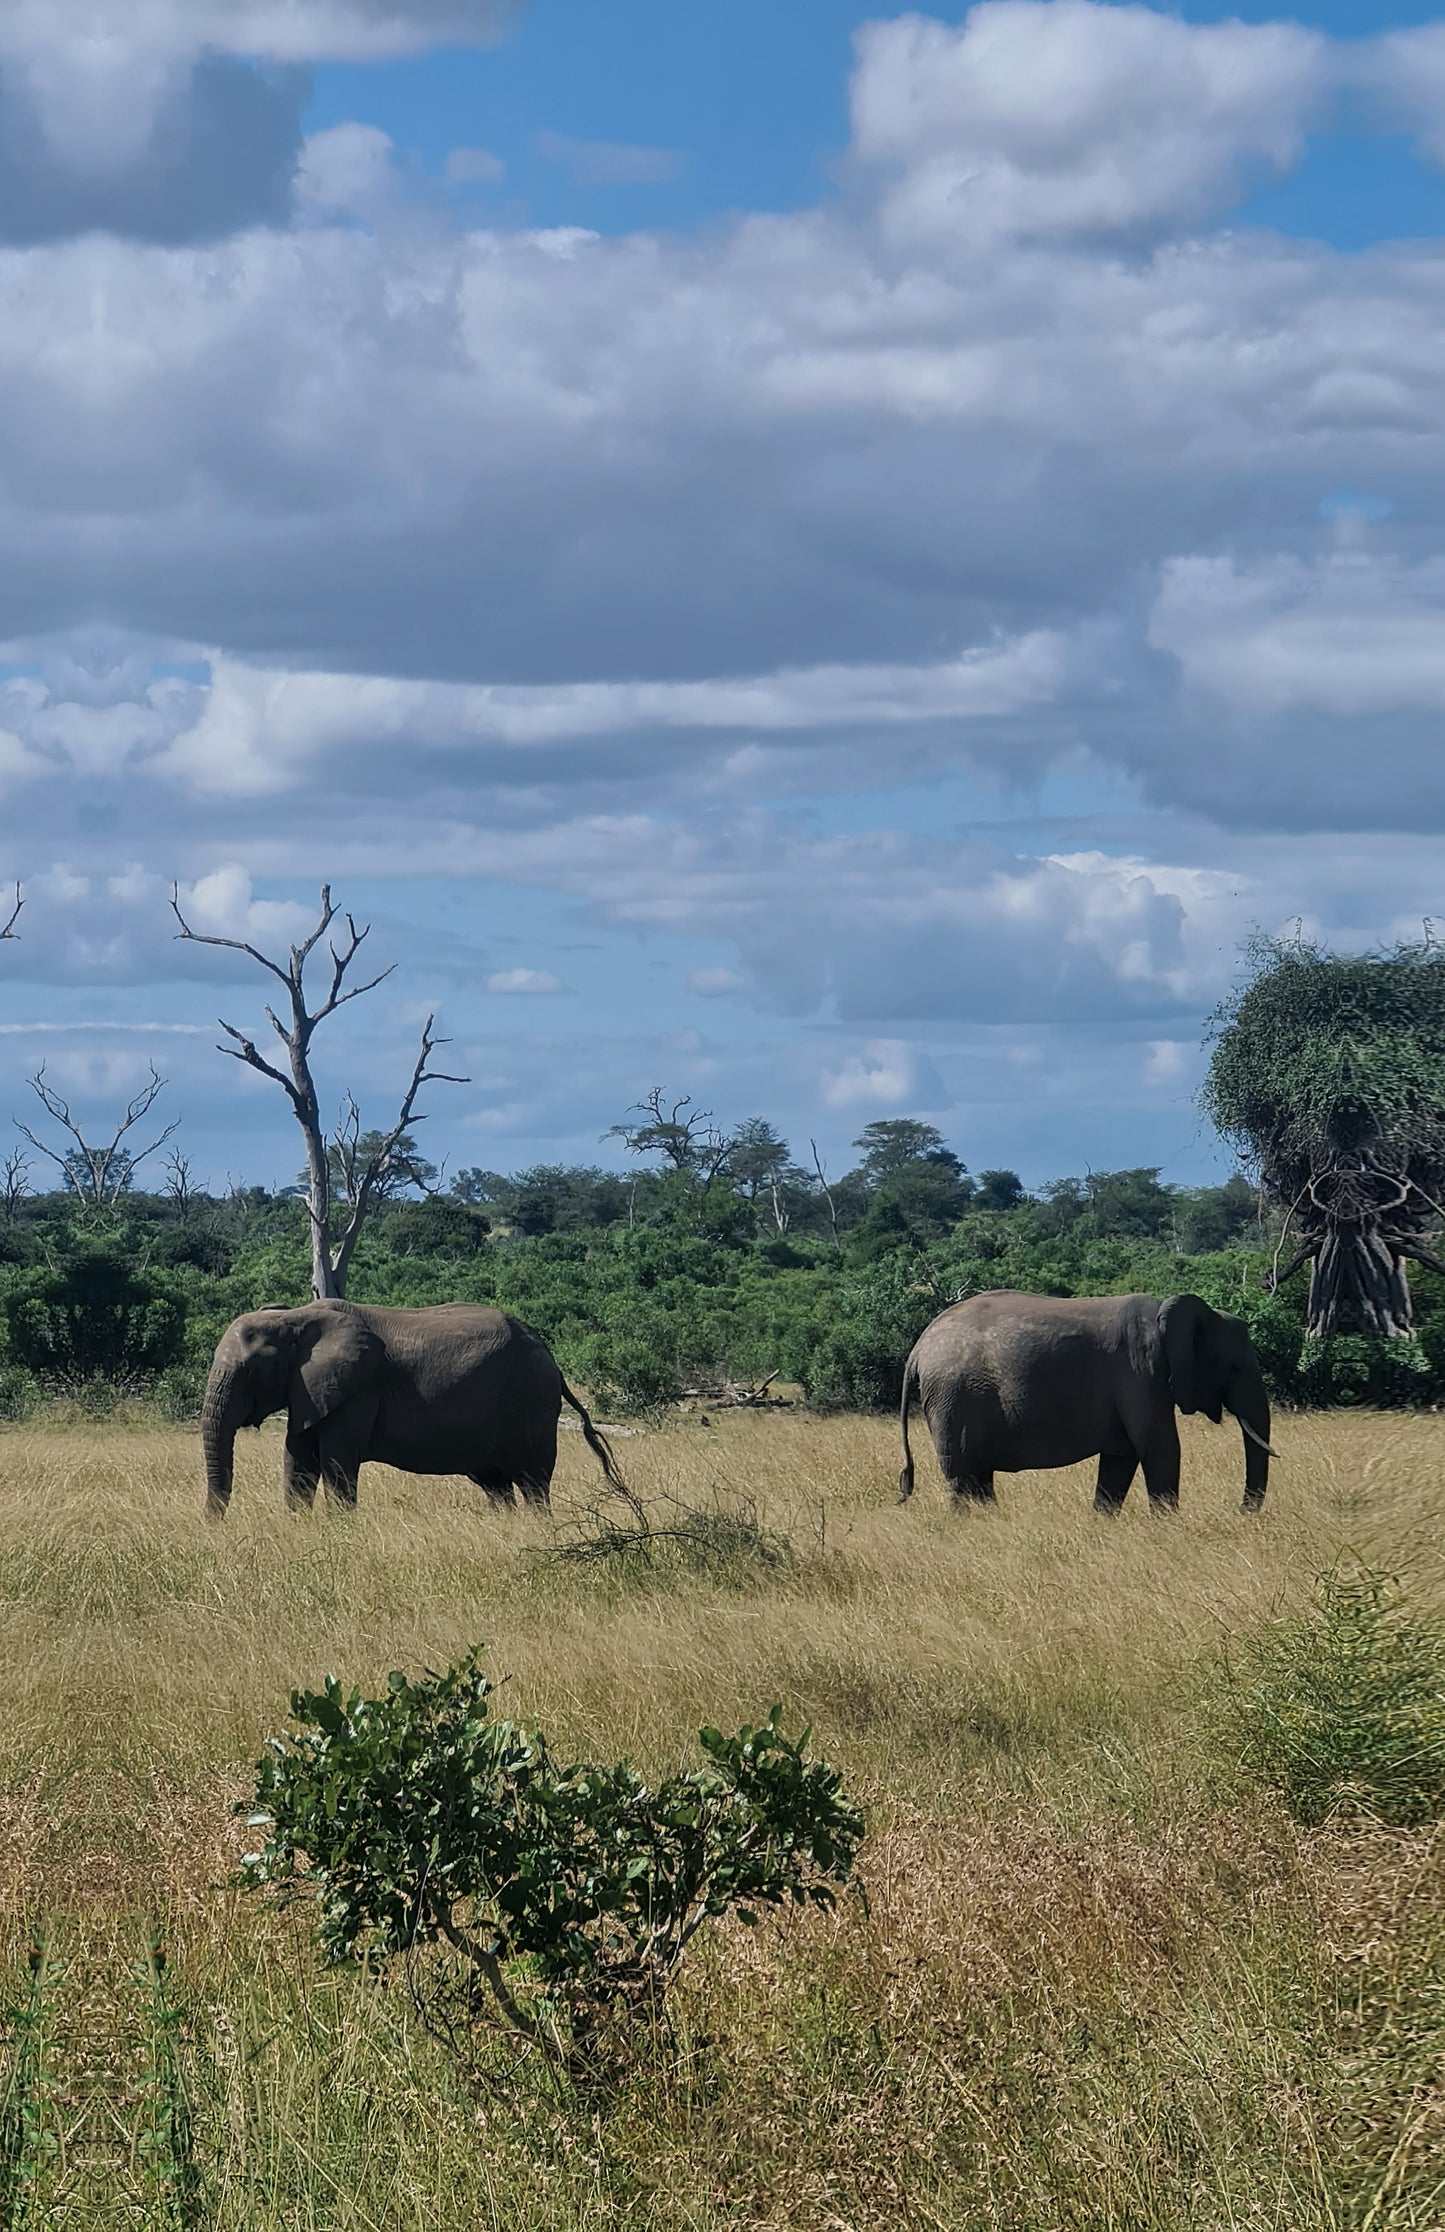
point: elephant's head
(1212, 1367)
(305, 1361)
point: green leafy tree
(1328, 1072)
(683, 1137)
(895, 1140)
(998, 1189)
(553, 1197)
(1131, 1204)
(415, 1820)
(1215, 1217)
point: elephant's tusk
(1258, 1439)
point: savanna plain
(1087, 1977)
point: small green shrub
(570, 1892)
(1341, 1710)
(178, 1393)
(21, 1394)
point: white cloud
(222, 905)
(261, 730)
(1057, 117)
(885, 1073)
(1167, 1061)
(523, 980)
(714, 984)
(346, 169)
(1356, 633)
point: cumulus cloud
(193, 152)
(347, 171)
(560, 559)
(180, 120)
(1353, 634)
(1047, 118)
(885, 1074)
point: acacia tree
(367, 1175)
(1328, 1073)
(685, 1137)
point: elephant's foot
(973, 1496)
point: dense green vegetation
(654, 1280)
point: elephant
(1020, 1382)
(454, 1389)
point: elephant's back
(996, 1339)
(453, 1341)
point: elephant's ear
(1184, 1323)
(334, 1361)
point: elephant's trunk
(222, 1414)
(1252, 1412)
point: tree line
(717, 1249)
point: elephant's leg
(341, 1481)
(300, 1471)
(958, 1445)
(341, 1451)
(1116, 1472)
(499, 1491)
(1161, 1466)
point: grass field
(1092, 1985)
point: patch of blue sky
(965, 804)
(717, 106)
(750, 98)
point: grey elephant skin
(455, 1389)
(1022, 1382)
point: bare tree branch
(823, 1185)
(14, 1183)
(97, 1174)
(378, 1166)
(360, 1186)
(9, 929)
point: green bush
(570, 1892)
(857, 1363)
(1341, 1710)
(94, 1315)
(178, 1392)
(21, 1394)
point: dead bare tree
(14, 1182)
(100, 1174)
(824, 1188)
(181, 1186)
(9, 930)
(330, 1257)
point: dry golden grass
(1092, 1987)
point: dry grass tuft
(1088, 1985)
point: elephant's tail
(601, 1449)
(910, 1389)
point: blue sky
(835, 560)
(752, 98)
